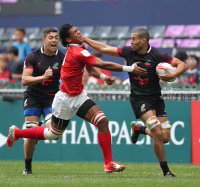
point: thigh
(160, 109)
(141, 105)
(47, 106)
(32, 106)
(64, 106)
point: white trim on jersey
(43, 51)
(149, 49)
(76, 45)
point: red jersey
(76, 58)
(5, 76)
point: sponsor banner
(195, 132)
(80, 143)
(189, 51)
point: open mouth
(53, 45)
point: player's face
(75, 36)
(51, 41)
(136, 42)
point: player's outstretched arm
(111, 66)
(102, 47)
(95, 72)
(28, 79)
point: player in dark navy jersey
(145, 96)
(41, 74)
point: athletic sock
(142, 129)
(105, 143)
(28, 164)
(36, 133)
(164, 166)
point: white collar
(42, 51)
(149, 49)
(76, 45)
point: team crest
(142, 108)
(55, 66)
(25, 103)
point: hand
(48, 73)
(167, 76)
(109, 80)
(138, 70)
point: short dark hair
(21, 29)
(142, 33)
(96, 53)
(181, 55)
(64, 33)
(48, 30)
(194, 56)
(13, 50)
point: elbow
(24, 82)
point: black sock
(164, 167)
(40, 123)
(142, 129)
(28, 163)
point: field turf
(69, 174)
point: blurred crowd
(11, 65)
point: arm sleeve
(164, 57)
(85, 57)
(29, 61)
(123, 51)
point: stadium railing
(14, 91)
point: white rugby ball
(160, 68)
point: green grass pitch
(64, 174)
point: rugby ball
(160, 69)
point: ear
(68, 40)
(43, 39)
(144, 40)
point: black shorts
(35, 106)
(142, 104)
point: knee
(103, 123)
(52, 133)
(152, 122)
(158, 136)
(166, 136)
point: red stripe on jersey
(29, 68)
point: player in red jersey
(72, 99)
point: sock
(36, 133)
(40, 123)
(164, 166)
(105, 143)
(28, 164)
(142, 129)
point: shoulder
(61, 54)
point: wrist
(128, 68)
(102, 76)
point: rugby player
(145, 97)
(72, 99)
(41, 74)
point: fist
(109, 80)
(48, 73)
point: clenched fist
(48, 73)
